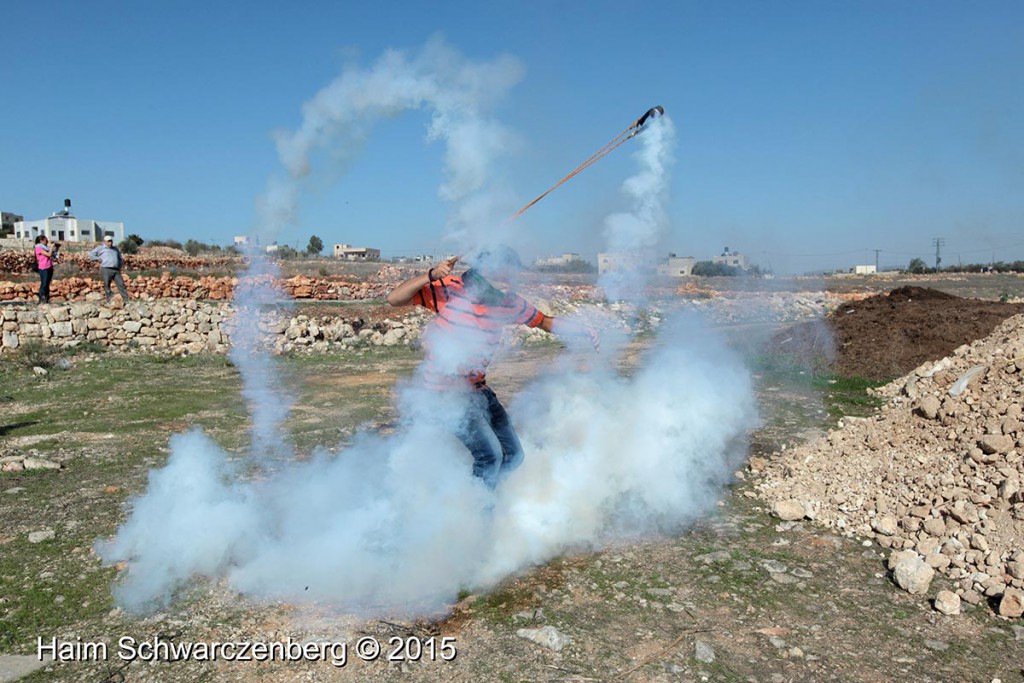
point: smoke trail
(397, 524)
(632, 237)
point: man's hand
(443, 269)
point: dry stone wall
(167, 286)
(188, 327)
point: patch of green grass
(34, 578)
(35, 353)
(848, 395)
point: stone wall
(167, 286)
(188, 326)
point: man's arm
(95, 254)
(402, 294)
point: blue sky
(808, 132)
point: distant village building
(732, 258)
(350, 253)
(677, 266)
(565, 259)
(241, 240)
(608, 261)
(64, 227)
(864, 270)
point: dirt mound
(888, 335)
(912, 293)
(938, 470)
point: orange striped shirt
(462, 339)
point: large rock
(10, 340)
(929, 407)
(901, 556)
(788, 510)
(995, 443)
(1012, 603)
(913, 574)
(40, 536)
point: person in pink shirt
(45, 256)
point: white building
(677, 266)
(241, 240)
(350, 253)
(608, 261)
(64, 227)
(732, 258)
(864, 270)
(568, 258)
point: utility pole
(876, 258)
(938, 243)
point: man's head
(108, 240)
(499, 263)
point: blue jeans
(488, 434)
(45, 278)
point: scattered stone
(40, 372)
(777, 642)
(937, 645)
(801, 573)
(1018, 632)
(703, 652)
(947, 602)
(774, 566)
(716, 556)
(40, 536)
(783, 578)
(40, 464)
(546, 636)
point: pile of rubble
(937, 471)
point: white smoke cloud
(397, 524)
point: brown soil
(888, 335)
